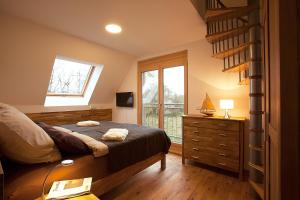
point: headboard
(71, 117)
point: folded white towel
(88, 123)
(99, 148)
(115, 134)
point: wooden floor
(180, 182)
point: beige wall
(27, 53)
(204, 75)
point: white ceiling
(148, 26)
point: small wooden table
(83, 197)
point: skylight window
(69, 78)
(72, 82)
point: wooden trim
(69, 117)
(139, 97)
(257, 167)
(289, 44)
(81, 94)
(241, 146)
(183, 141)
(160, 63)
(176, 149)
(282, 102)
(259, 188)
(87, 81)
(186, 96)
(105, 184)
(163, 162)
(160, 98)
(166, 60)
(1, 182)
(64, 95)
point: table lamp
(63, 163)
(226, 104)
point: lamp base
(227, 116)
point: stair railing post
(256, 96)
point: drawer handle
(196, 132)
(195, 122)
(222, 145)
(222, 154)
(223, 164)
(196, 157)
(195, 140)
(195, 149)
(222, 134)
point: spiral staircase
(235, 36)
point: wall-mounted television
(124, 99)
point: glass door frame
(160, 63)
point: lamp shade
(226, 104)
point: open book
(70, 188)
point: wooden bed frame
(107, 183)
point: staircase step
(257, 167)
(255, 148)
(259, 188)
(224, 35)
(233, 12)
(232, 51)
(240, 67)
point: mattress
(140, 143)
(24, 181)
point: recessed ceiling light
(113, 28)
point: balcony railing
(172, 119)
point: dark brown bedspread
(140, 143)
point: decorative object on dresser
(214, 141)
(207, 108)
(226, 104)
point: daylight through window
(69, 78)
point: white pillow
(88, 123)
(24, 141)
(115, 134)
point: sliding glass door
(173, 109)
(162, 95)
(150, 104)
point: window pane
(68, 77)
(174, 102)
(150, 98)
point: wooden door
(160, 74)
(281, 29)
(273, 105)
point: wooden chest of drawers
(214, 141)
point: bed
(142, 148)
